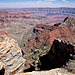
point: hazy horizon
(5, 4)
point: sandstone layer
(10, 55)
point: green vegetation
(33, 55)
(68, 42)
(35, 48)
(73, 43)
(29, 33)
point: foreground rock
(62, 53)
(57, 71)
(10, 56)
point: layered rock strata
(10, 55)
(62, 31)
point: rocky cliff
(14, 15)
(10, 56)
(62, 52)
(63, 31)
(41, 44)
(60, 55)
(45, 11)
(2, 19)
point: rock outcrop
(60, 54)
(41, 44)
(47, 11)
(5, 14)
(3, 33)
(10, 56)
(57, 71)
(62, 31)
(2, 19)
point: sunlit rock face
(10, 55)
(57, 71)
(62, 31)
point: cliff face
(61, 53)
(10, 56)
(63, 31)
(36, 47)
(45, 11)
(2, 19)
(3, 33)
(41, 44)
(13, 15)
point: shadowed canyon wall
(60, 53)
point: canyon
(40, 46)
(12, 61)
(37, 41)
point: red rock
(2, 19)
(3, 33)
(63, 31)
(14, 15)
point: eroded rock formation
(61, 53)
(10, 56)
(62, 31)
(41, 44)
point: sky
(36, 3)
